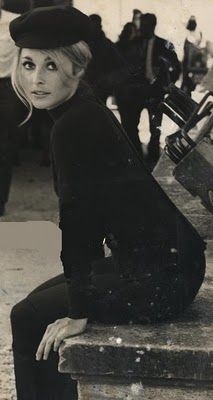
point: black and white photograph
(106, 199)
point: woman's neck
(74, 89)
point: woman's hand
(57, 332)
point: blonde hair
(78, 54)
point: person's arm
(82, 233)
(84, 166)
(78, 197)
(174, 65)
(81, 243)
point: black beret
(50, 27)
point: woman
(104, 191)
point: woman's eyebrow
(48, 58)
(27, 58)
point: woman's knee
(19, 312)
(26, 331)
(22, 315)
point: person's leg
(187, 84)
(39, 380)
(129, 107)
(155, 121)
(56, 280)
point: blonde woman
(105, 192)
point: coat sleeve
(170, 58)
(80, 222)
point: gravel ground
(26, 258)
(22, 269)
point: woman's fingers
(68, 330)
(56, 333)
(40, 349)
(47, 347)
(50, 332)
(59, 338)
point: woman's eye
(28, 65)
(51, 66)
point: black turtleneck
(83, 90)
(74, 161)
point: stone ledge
(143, 353)
(181, 350)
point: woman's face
(42, 78)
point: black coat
(101, 71)
(166, 66)
(106, 192)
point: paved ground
(29, 255)
(32, 197)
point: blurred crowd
(135, 71)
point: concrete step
(138, 391)
(176, 355)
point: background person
(194, 59)
(11, 109)
(154, 65)
(104, 69)
(127, 34)
(136, 20)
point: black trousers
(11, 113)
(131, 101)
(39, 380)
(146, 296)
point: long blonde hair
(78, 54)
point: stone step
(138, 391)
(169, 352)
(176, 355)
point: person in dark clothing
(41, 125)
(153, 64)
(157, 263)
(104, 68)
(136, 20)
(127, 34)
(11, 109)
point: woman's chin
(40, 105)
(42, 101)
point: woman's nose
(38, 76)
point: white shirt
(8, 50)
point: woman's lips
(40, 93)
